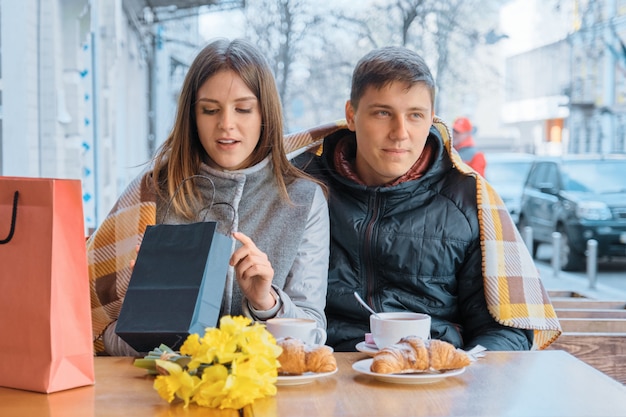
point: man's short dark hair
(383, 66)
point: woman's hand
(134, 261)
(254, 273)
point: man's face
(391, 125)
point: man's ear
(350, 115)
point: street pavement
(563, 281)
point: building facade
(74, 96)
(597, 90)
(569, 96)
(88, 88)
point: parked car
(581, 196)
(506, 172)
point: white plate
(367, 348)
(305, 378)
(363, 367)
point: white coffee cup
(303, 329)
(388, 328)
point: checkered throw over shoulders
(515, 294)
(513, 288)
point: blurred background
(88, 88)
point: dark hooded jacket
(412, 246)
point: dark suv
(581, 196)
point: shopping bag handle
(213, 203)
(13, 220)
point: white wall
(20, 117)
(50, 90)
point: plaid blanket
(111, 248)
(515, 295)
(513, 288)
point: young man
(405, 230)
(463, 141)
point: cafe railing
(593, 330)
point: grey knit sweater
(295, 236)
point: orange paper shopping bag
(45, 314)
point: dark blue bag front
(176, 287)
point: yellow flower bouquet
(228, 367)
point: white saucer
(305, 378)
(368, 348)
(363, 367)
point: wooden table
(544, 383)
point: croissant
(292, 358)
(320, 359)
(445, 356)
(297, 358)
(412, 354)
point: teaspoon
(364, 304)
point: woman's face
(228, 118)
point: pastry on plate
(298, 358)
(412, 354)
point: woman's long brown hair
(180, 156)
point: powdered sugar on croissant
(320, 359)
(412, 354)
(292, 358)
(297, 358)
(409, 353)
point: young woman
(228, 128)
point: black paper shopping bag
(176, 287)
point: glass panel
(507, 172)
(597, 176)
